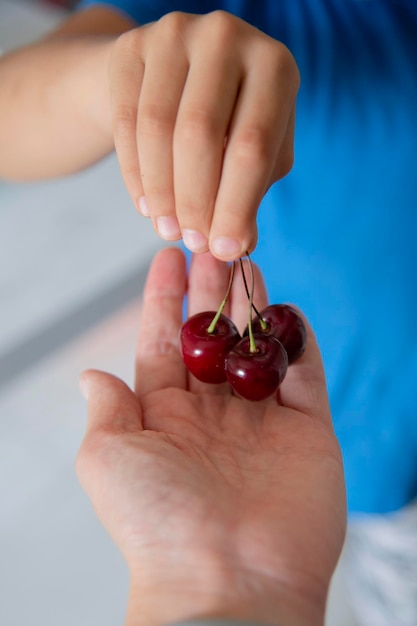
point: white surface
(57, 564)
(62, 242)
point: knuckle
(285, 64)
(161, 347)
(171, 25)
(124, 121)
(128, 42)
(197, 125)
(154, 120)
(253, 146)
(118, 45)
(91, 454)
(159, 197)
(285, 163)
(223, 27)
(285, 159)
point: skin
(237, 505)
(200, 110)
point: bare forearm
(54, 107)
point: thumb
(111, 405)
(304, 387)
(112, 410)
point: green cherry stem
(252, 344)
(262, 322)
(212, 326)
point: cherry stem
(215, 319)
(262, 322)
(252, 344)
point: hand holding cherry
(256, 365)
(219, 138)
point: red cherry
(286, 325)
(257, 375)
(205, 353)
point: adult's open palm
(185, 475)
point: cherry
(285, 324)
(256, 375)
(204, 353)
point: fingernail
(225, 247)
(168, 227)
(143, 206)
(194, 240)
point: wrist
(208, 588)
(92, 105)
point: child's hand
(203, 113)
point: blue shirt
(338, 235)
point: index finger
(158, 359)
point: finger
(259, 125)
(126, 70)
(204, 116)
(163, 83)
(285, 158)
(240, 306)
(112, 406)
(112, 409)
(207, 286)
(158, 361)
(304, 387)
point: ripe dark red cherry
(205, 353)
(286, 325)
(257, 375)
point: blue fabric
(338, 235)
